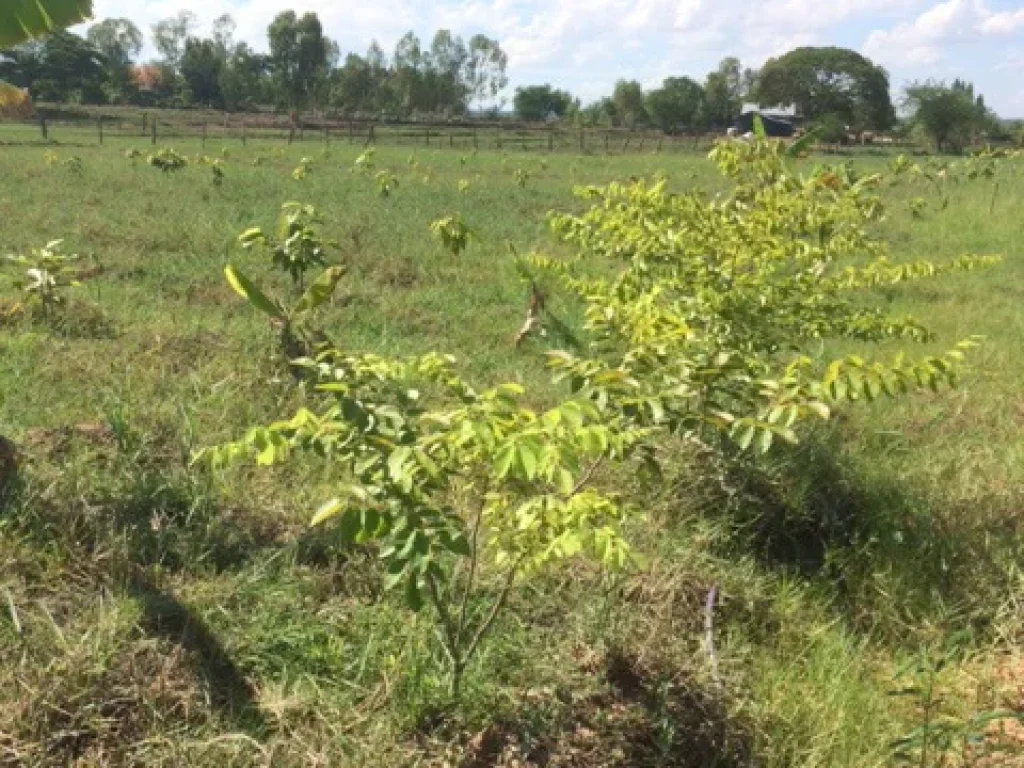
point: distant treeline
(303, 70)
(833, 90)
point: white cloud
(926, 39)
(585, 45)
(1005, 23)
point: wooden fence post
(451, 140)
(244, 137)
(152, 128)
(351, 129)
(99, 127)
(327, 134)
(42, 126)
(144, 127)
(204, 134)
(291, 133)
(498, 129)
(551, 140)
(370, 138)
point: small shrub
(453, 233)
(295, 246)
(303, 169)
(167, 160)
(387, 182)
(365, 163)
(47, 273)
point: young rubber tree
(712, 321)
(462, 492)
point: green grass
(149, 615)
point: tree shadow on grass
(151, 523)
(638, 716)
(230, 693)
(870, 539)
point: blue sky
(585, 45)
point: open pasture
(152, 614)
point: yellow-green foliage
(710, 320)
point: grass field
(151, 615)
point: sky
(584, 46)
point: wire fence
(60, 127)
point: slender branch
(495, 610)
(446, 619)
(444, 645)
(471, 576)
(587, 475)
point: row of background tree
(302, 71)
(834, 89)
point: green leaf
(321, 289)
(528, 460)
(396, 462)
(503, 461)
(395, 577)
(764, 441)
(326, 511)
(551, 418)
(21, 20)
(458, 544)
(820, 409)
(369, 525)
(657, 410)
(424, 460)
(413, 594)
(759, 131)
(744, 436)
(796, 148)
(245, 288)
(252, 236)
(564, 481)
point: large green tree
(536, 102)
(223, 33)
(62, 67)
(950, 116)
(447, 85)
(298, 57)
(244, 78)
(724, 90)
(829, 81)
(409, 67)
(676, 106)
(120, 42)
(352, 87)
(484, 69)
(201, 65)
(170, 35)
(628, 98)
